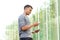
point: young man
(24, 24)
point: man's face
(28, 10)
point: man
(24, 24)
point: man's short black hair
(27, 6)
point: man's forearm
(26, 27)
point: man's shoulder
(21, 16)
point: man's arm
(26, 27)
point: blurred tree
(12, 31)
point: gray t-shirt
(22, 21)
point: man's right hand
(35, 24)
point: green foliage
(12, 31)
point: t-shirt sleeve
(21, 22)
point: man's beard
(27, 14)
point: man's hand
(36, 31)
(36, 24)
(33, 32)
